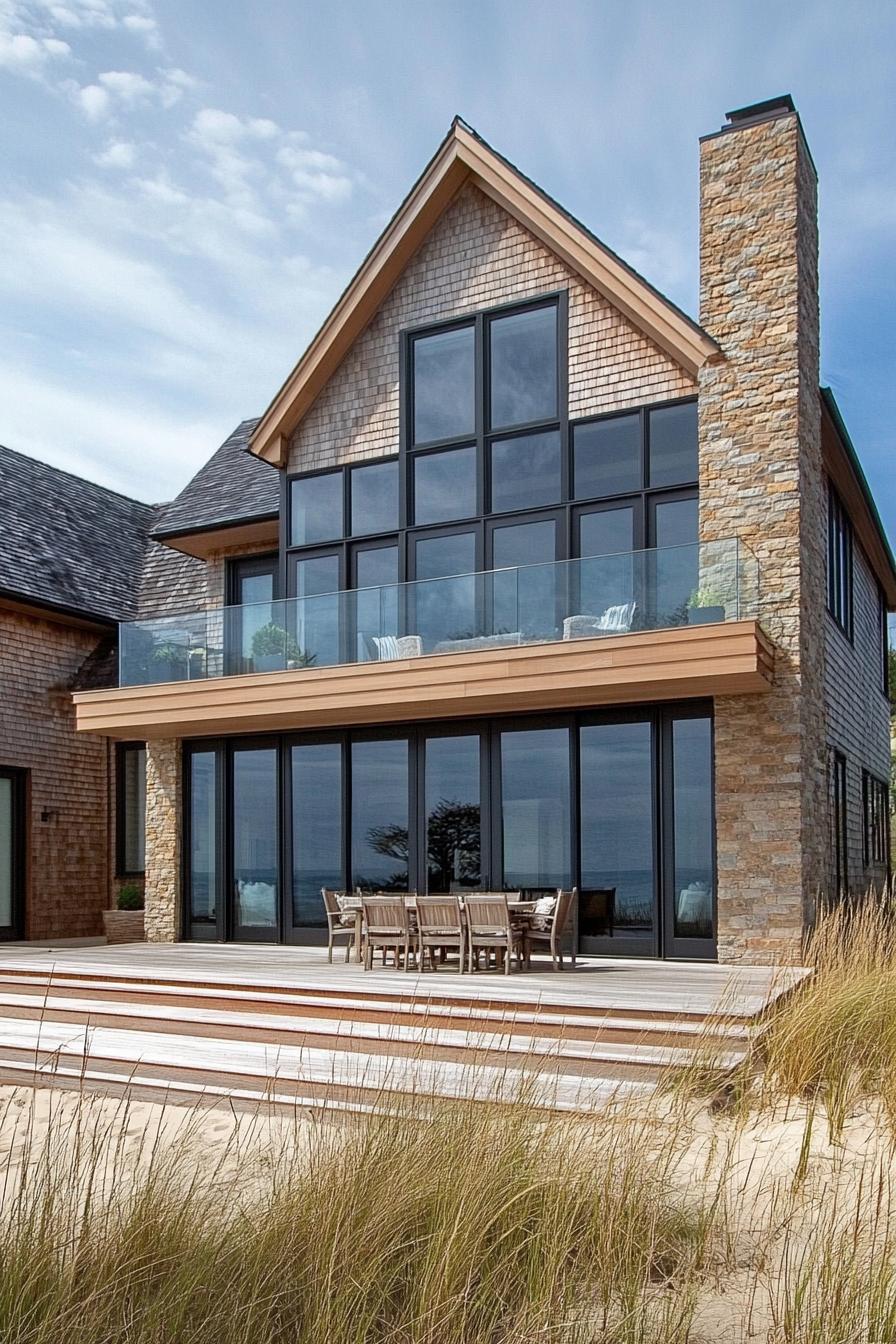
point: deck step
(44, 1051)
(488, 1043)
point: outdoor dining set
(475, 926)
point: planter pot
(123, 926)
(268, 662)
(705, 615)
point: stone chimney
(761, 480)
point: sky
(187, 185)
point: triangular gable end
(463, 157)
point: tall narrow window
(839, 563)
(876, 807)
(131, 791)
(444, 377)
(202, 860)
(839, 838)
(523, 367)
(316, 779)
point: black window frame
(122, 750)
(20, 791)
(876, 821)
(571, 507)
(883, 634)
(840, 564)
(839, 805)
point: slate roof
(67, 543)
(234, 486)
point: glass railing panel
(571, 599)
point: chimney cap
(765, 111)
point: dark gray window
(316, 769)
(839, 562)
(673, 445)
(317, 616)
(203, 855)
(379, 826)
(131, 787)
(526, 471)
(525, 596)
(316, 509)
(876, 807)
(444, 375)
(839, 830)
(452, 774)
(692, 827)
(447, 608)
(445, 485)
(374, 498)
(254, 840)
(523, 367)
(617, 830)
(607, 457)
(535, 807)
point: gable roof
(464, 156)
(232, 490)
(67, 544)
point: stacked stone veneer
(70, 827)
(162, 920)
(761, 479)
(478, 256)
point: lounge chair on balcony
(386, 648)
(615, 621)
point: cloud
(315, 174)
(129, 87)
(26, 55)
(93, 101)
(144, 27)
(117, 154)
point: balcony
(655, 624)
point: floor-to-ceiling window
(491, 474)
(617, 803)
(254, 839)
(536, 805)
(617, 829)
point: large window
(131, 809)
(485, 437)
(839, 563)
(617, 803)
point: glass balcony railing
(533, 604)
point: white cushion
(386, 647)
(543, 912)
(618, 618)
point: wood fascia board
(730, 658)
(685, 344)
(462, 157)
(203, 542)
(358, 305)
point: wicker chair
(336, 925)
(386, 924)
(490, 926)
(439, 924)
(559, 919)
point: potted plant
(705, 606)
(125, 923)
(169, 661)
(273, 649)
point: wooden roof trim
(463, 156)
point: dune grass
(835, 1039)
(475, 1225)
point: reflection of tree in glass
(452, 834)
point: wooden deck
(247, 1024)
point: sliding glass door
(617, 803)
(12, 853)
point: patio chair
(340, 923)
(552, 930)
(386, 924)
(491, 926)
(439, 925)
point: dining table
(351, 905)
